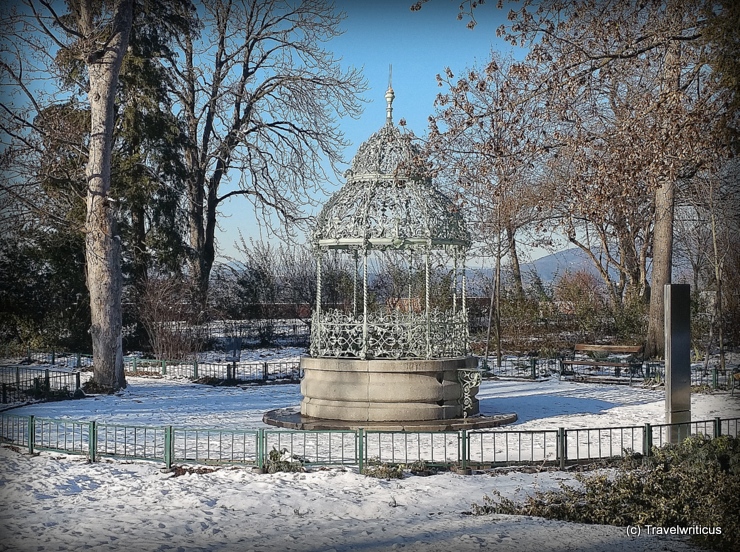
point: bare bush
(164, 310)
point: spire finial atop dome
(389, 96)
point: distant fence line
(251, 447)
(251, 332)
(270, 370)
(531, 367)
(21, 383)
(229, 368)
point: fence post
(533, 362)
(717, 427)
(195, 368)
(31, 433)
(78, 361)
(164, 367)
(47, 384)
(168, 447)
(17, 378)
(5, 393)
(228, 372)
(53, 357)
(265, 370)
(77, 381)
(647, 440)
(360, 449)
(463, 436)
(715, 379)
(135, 368)
(562, 447)
(261, 449)
(92, 441)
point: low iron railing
(223, 370)
(24, 383)
(525, 367)
(531, 367)
(251, 447)
(21, 384)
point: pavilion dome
(389, 200)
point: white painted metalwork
(469, 379)
(389, 203)
(392, 335)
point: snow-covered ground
(56, 502)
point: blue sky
(419, 45)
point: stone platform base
(291, 418)
(406, 390)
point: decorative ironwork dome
(389, 201)
(389, 204)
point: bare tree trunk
(102, 243)
(718, 262)
(516, 268)
(662, 264)
(664, 214)
(491, 304)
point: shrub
(581, 295)
(695, 483)
(282, 461)
(383, 470)
(42, 390)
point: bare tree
(483, 137)
(95, 36)
(714, 200)
(259, 96)
(679, 50)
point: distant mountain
(552, 266)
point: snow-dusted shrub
(283, 461)
(693, 484)
(383, 470)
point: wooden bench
(633, 362)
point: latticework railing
(391, 335)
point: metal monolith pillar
(677, 359)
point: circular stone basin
(407, 390)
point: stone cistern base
(354, 390)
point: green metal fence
(19, 383)
(224, 370)
(251, 447)
(526, 367)
(531, 367)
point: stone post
(677, 359)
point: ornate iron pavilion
(389, 204)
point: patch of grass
(694, 483)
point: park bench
(602, 356)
